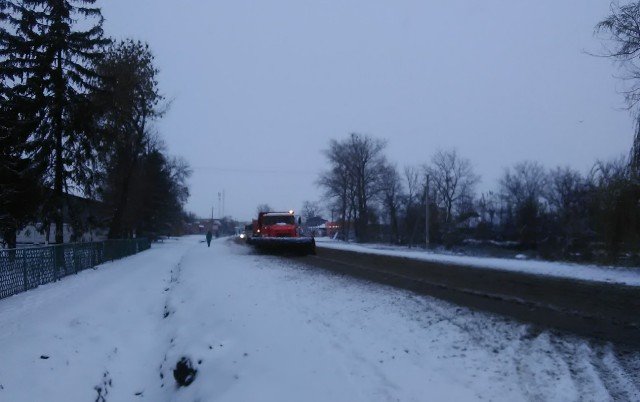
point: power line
(253, 171)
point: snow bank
(627, 276)
(100, 331)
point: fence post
(25, 277)
(74, 252)
(54, 257)
(60, 260)
(63, 259)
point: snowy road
(260, 328)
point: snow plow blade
(284, 245)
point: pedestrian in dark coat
(209, 236)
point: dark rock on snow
(184, 373)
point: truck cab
(276, 224)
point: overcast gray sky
(259, 87)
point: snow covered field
(261, 328)
(628, 276)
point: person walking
(209, 236)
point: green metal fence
(27, 268)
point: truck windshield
(275, 219)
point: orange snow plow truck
(278, 232)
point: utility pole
(426, 214)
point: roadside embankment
(608, 311)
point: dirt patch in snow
(184, 373)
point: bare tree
(623, 44)
(616, 205)
(337, 182)
(263, 208)
(453, 180)
(365, 161)
(412, 178)
(487, 206)
(567, 197)
(412, 208)
(311, 209)
(353, 179)
(563, 189)
(635, 153)
(523, 188)
(390, 197)
(524, 181)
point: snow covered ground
(628, 276)
(261, 328)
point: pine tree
(47, 60)
(20, 188)
(162, 191)
(128, 102)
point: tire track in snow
(587, 378)
(335, 339)
(542, 373)
(599, 373)
(549, 365)
(614, 375)
(428, 314)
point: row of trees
(77, 114)
(560, 212)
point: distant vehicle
(279, 232)
(247, 232)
